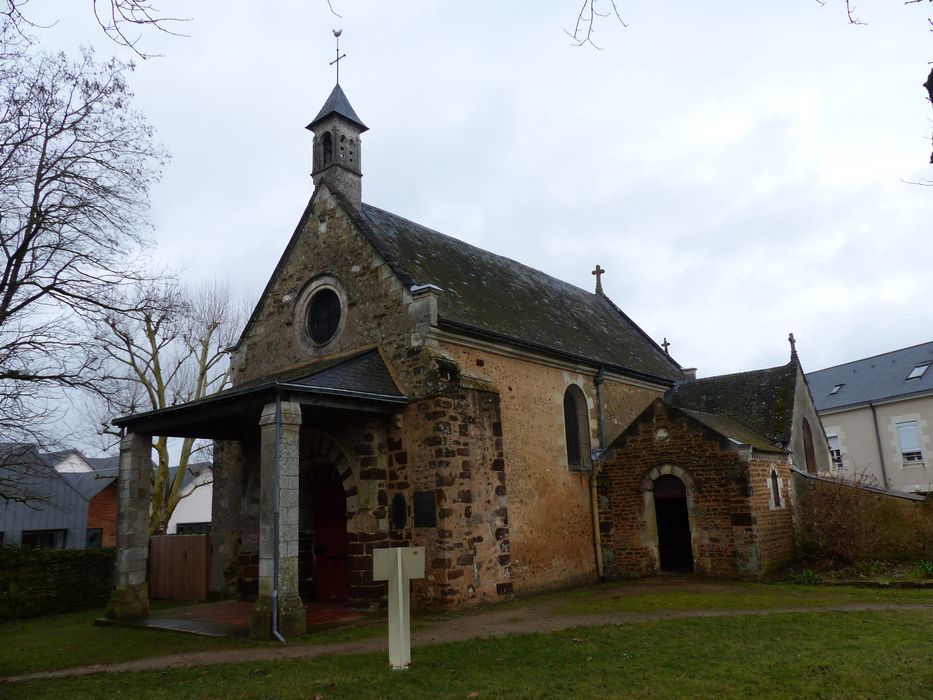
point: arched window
(576, 428)
(327, 146)
(809, 456)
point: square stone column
(130, 597)
(291, 615)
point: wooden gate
(179, 567)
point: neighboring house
(396, 386)
(70, 501)
(192, 515)
(878, 413)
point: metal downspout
(884, 469)
(594, 496)
(275, 529)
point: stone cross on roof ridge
(599, 283)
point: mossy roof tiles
(493, 296)
(761, 399)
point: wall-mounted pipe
(600, 379)
(275, 528)
(884, 469)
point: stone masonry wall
(716, 501)
(550, 507)
(378, 306)
(452, 446)
(774, 524)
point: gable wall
(378, 305)
(725, 535)
(804, 408)
(549, 506)
(102, 513)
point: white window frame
(836, 454)
(909, 457)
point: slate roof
(732, 429)
(337, 103)
(498, 298)
(761, 399)
(363, 373)
(875, 378)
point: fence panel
(179, 567)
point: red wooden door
(331, 562)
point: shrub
(845, 522)
(36, 582)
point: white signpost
(398, 566)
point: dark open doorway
(670, 507)
(323, 559)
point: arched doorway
(329, 521)
(670, 506)
(323, 549)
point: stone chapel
(396, 386)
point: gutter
(884, 469)
(275, 531)
(594, 495)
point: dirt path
(493, 622)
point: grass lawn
(741, 596)
(71, 639)
(848, 655)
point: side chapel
(395, 386)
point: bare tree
(76, 165)
(168, 349)
(121, 20)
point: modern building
(877, 414)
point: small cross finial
(793, 346)
(337, 33)
(665, 345)
(599, 283)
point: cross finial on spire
(666, 345)
(337, 33)
(793, 346)
(599, 283)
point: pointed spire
(337, 103)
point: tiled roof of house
(492, 296)
(873, 379)
(761, 399)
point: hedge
(36, 582)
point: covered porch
(288, 466)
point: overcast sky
(737, 167)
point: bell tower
(336, 158)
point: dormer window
(918, 371)
(835, 389)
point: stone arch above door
(325, 448)
(647, 483)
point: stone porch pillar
(130, 597)
(291, 617)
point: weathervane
(337, 33)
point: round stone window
(323, 316)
